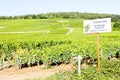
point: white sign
(97, 25)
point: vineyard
(55, 48)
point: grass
(57, 30)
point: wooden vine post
(98, 49)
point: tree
(116, 26)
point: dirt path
(31, 72)
(70, 31)
(46, 31)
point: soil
(31, 72)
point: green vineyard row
(53, 52)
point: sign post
(97, 26)
(98, 48)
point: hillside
(51, 42)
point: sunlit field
(55, 41)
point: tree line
(64, 15)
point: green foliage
(54, 52)
(63, 15)
(116, 26)
(56, 47)
(109, 71)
